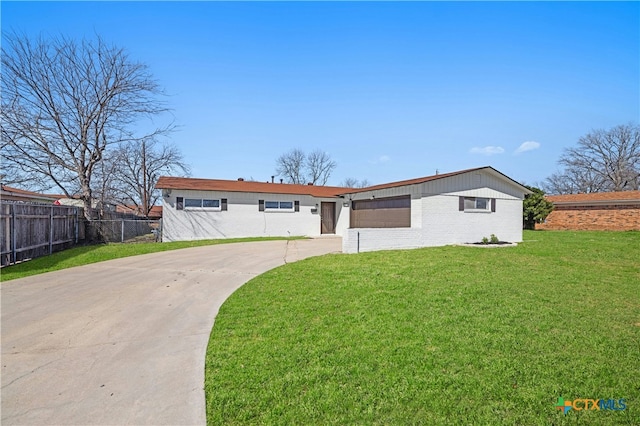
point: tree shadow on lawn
(74, 256)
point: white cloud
(487, 150)
(380, 160)
(527, 146)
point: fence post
(51, 230)
(122, 231)
(76, 227)
(13, 233)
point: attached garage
(450, 208)
(390, 212)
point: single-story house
(458, 207)
(612, 211)
(8, 193)
(155, 213)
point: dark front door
(328, 218)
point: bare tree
(139, 165)
(319, 167)
(291, 166)
(64, 103)
(573, 181)
(603, 160)
(354, 183)
(103, 181)
(297, 167)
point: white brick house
(458, 207)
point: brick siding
(623, 217)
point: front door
(328, 218)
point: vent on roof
(310, 184)
(240, 179)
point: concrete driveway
(124, 341)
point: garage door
(392, 212)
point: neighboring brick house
(613, 211)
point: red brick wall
(605, 217)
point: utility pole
(145, 195)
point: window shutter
(179, 203)
(296, 206)
(460, 204)
(260, 205)
(493, 205)
(223, 203)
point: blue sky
(390, 90)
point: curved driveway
(124, 341)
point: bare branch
(65, 103)
(603, 160)
(137, 167)
(355, 183)
(319, 167)
(291, 166)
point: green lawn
(85, 255)
(450, 335)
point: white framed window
(477, 204)
(203, 203)
(278, 206)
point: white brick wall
(242, 219)
(372, 239)
(435, 219)
(443, 224)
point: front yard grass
(84, 255)
(448, 335)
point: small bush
(485, 240)
(494, 239)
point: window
(179, 203)
(192, 202)
(278, 206)
(199, 203)
(477, 204)
(211, 203)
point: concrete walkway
(123, 342)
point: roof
(166, 182)
(596, 198)
(154, 212)
(436, 177)
(8, 191)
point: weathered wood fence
(33, 230)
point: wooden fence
(33, 230)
